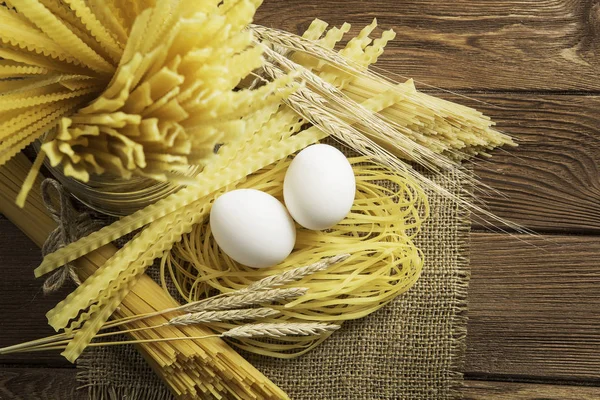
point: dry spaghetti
(388, 212)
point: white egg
(252, 227)
(319, 187)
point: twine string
(72, 226)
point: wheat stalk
(238, 299)
(244, 299)
(273, 330)
(203, 317)
(309, 105)
(295, 274)
(279, 330)
(381, 128)
(385, 129)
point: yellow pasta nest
(146, 91)
(387, 213)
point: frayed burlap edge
(463, 272)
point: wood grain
(55, 383)
(471, 44)
(39, 384)
(552, 180)
(23, 304)
(493, 390)
(534, 307)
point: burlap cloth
(411, 349)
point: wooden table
(534, 66)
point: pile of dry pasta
(192, 93)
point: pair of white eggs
(257, 230)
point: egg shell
(319, 187)
(252, 227)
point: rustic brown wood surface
(39, 384)
(534, 307)
(533, 45)
(532, 65)
(552, 180)
(482, 390)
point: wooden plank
(51, 384)
(470, 44)
(23, 304)
(493, 390)
(40, 384)
(552, 180)
(534, 307)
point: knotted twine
(72, 226)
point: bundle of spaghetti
(432, 121)
(110, 91)
(387, 213)
(200, 369)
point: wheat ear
(393, 134)
(309, 105)
(203, 317)
(243, 331)
(245, 299)
(279, 330)
(295, 274)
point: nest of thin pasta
(387, 214)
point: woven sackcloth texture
(411, 349)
